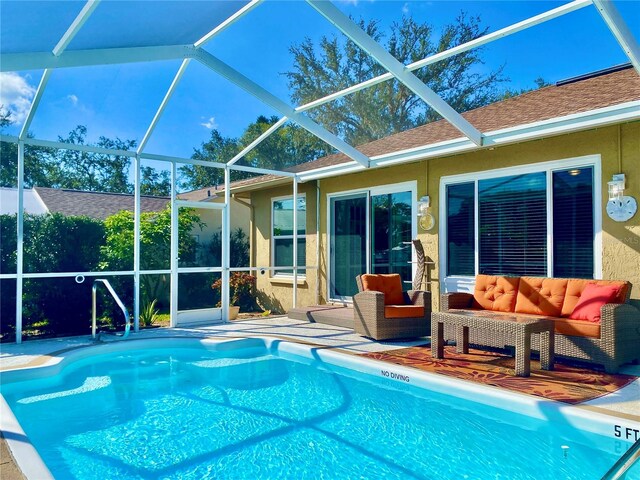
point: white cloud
(16, 95)
(73, 99)
(405, 8)
(210, 124)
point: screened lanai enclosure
(155, 218)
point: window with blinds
(460, 229)
(513, 215)
(573, 223)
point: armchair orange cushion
(390, 285)
(591, 301)
(403, 311)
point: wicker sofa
(612, 340)
(382, 311)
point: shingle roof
(535, 106)
(591, 93)
(98, 205)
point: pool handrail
(115, 296)
(624, 463)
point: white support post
(235, 77)
(34, 104)
(75, 27)
(228, 22)
(136, 247)
(619, 28)
(226, 250)
(20, 242)
(295, 242)
(15, 62)
(174, 248)
(71, 32)
(258, 140)
(163, 105)
(397, 69)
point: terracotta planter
(233, 312)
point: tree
(155, 183)
(288, 146)
(217, 149)
(539, 83)
(390, 107)
(92, 171)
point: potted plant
(241, 287)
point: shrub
(241, 287)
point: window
(282, 235)
(460, 238)
(512, 219)
(536, 223)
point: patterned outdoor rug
(565, 383)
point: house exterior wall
(275, 293)
(620, 241)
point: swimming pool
(262, 408)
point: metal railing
(624, 463)
(94, 289)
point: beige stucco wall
(212, 220)
(276, 293)
(620, 241)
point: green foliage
(155, 183)
(149, 313)
(217, 149)
(241, 290)
(239, 249)
(390, 107)
(53, 243)
(98, 172)
(155, 239)
(539, 83)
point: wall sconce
(425, 219)
(616, 187)
(620, 207)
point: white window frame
(409, 186)
(463, 283)
(280, 274)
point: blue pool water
(193, 413)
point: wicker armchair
(370, 320)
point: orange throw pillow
(592, 299)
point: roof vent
(597, 73)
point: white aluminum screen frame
(58, 58)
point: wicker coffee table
(517, 329)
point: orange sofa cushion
(403, 311)
(591, 301)
(495, 293)
(541, 296)
(577, 328)
(390, 285)
(575, 287)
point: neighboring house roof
(202, 194)
(598, 90)
(31, 202)
(98, 205)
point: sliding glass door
(348, 244)
(369, 232)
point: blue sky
(121, 100)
